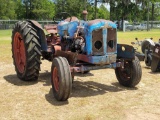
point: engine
(78, 45)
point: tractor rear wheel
(61, 78)
(130, 74)
(26, 51)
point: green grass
(5, 33)
(5, 46)
(129, 36)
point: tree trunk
(111, 9)
(122, 21)
(95, 9)
(152, 15)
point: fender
(41, 34)
(125, 51)
(147, 44)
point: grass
(129, 36)
(5, 35)
(5, 46)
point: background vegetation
(46, 9)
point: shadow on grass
(154, 73)
(50, 98)
(85, 89)
(84, 74)
(79, 88)
(13, 79)
(43, 77)
(147, 67)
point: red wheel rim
(19, 52)
(55, 79)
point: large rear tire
(26, 51)
(130, 74)
(61, 79)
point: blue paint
(70, 27)
(89, 27)
(104, 41)
(105, 59)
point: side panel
(98, 60)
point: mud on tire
(26, 51)
(130, 75)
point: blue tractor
(72, 45)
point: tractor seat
(52, 28)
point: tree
(20, 10)
(7, 9)
(153, 2)
(38, 9)
(75, 7)
(103, 12)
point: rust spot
(52, 28)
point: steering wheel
(62, 16)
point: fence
(8, 24)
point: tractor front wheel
(130, 74)
(61, 78)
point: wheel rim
(19, 52)
(125, 72)
(55, 79)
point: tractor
(150, 52)
(72, 45)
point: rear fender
(125, 51)
(147, 44)
(41, 34)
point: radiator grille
(111, 40)
(97, 43)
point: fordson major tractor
(72, 45)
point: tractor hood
(99, 23)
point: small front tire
(129, 75)
(61, 78)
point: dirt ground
(95, 96)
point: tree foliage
(132, 10)
(7, 9)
